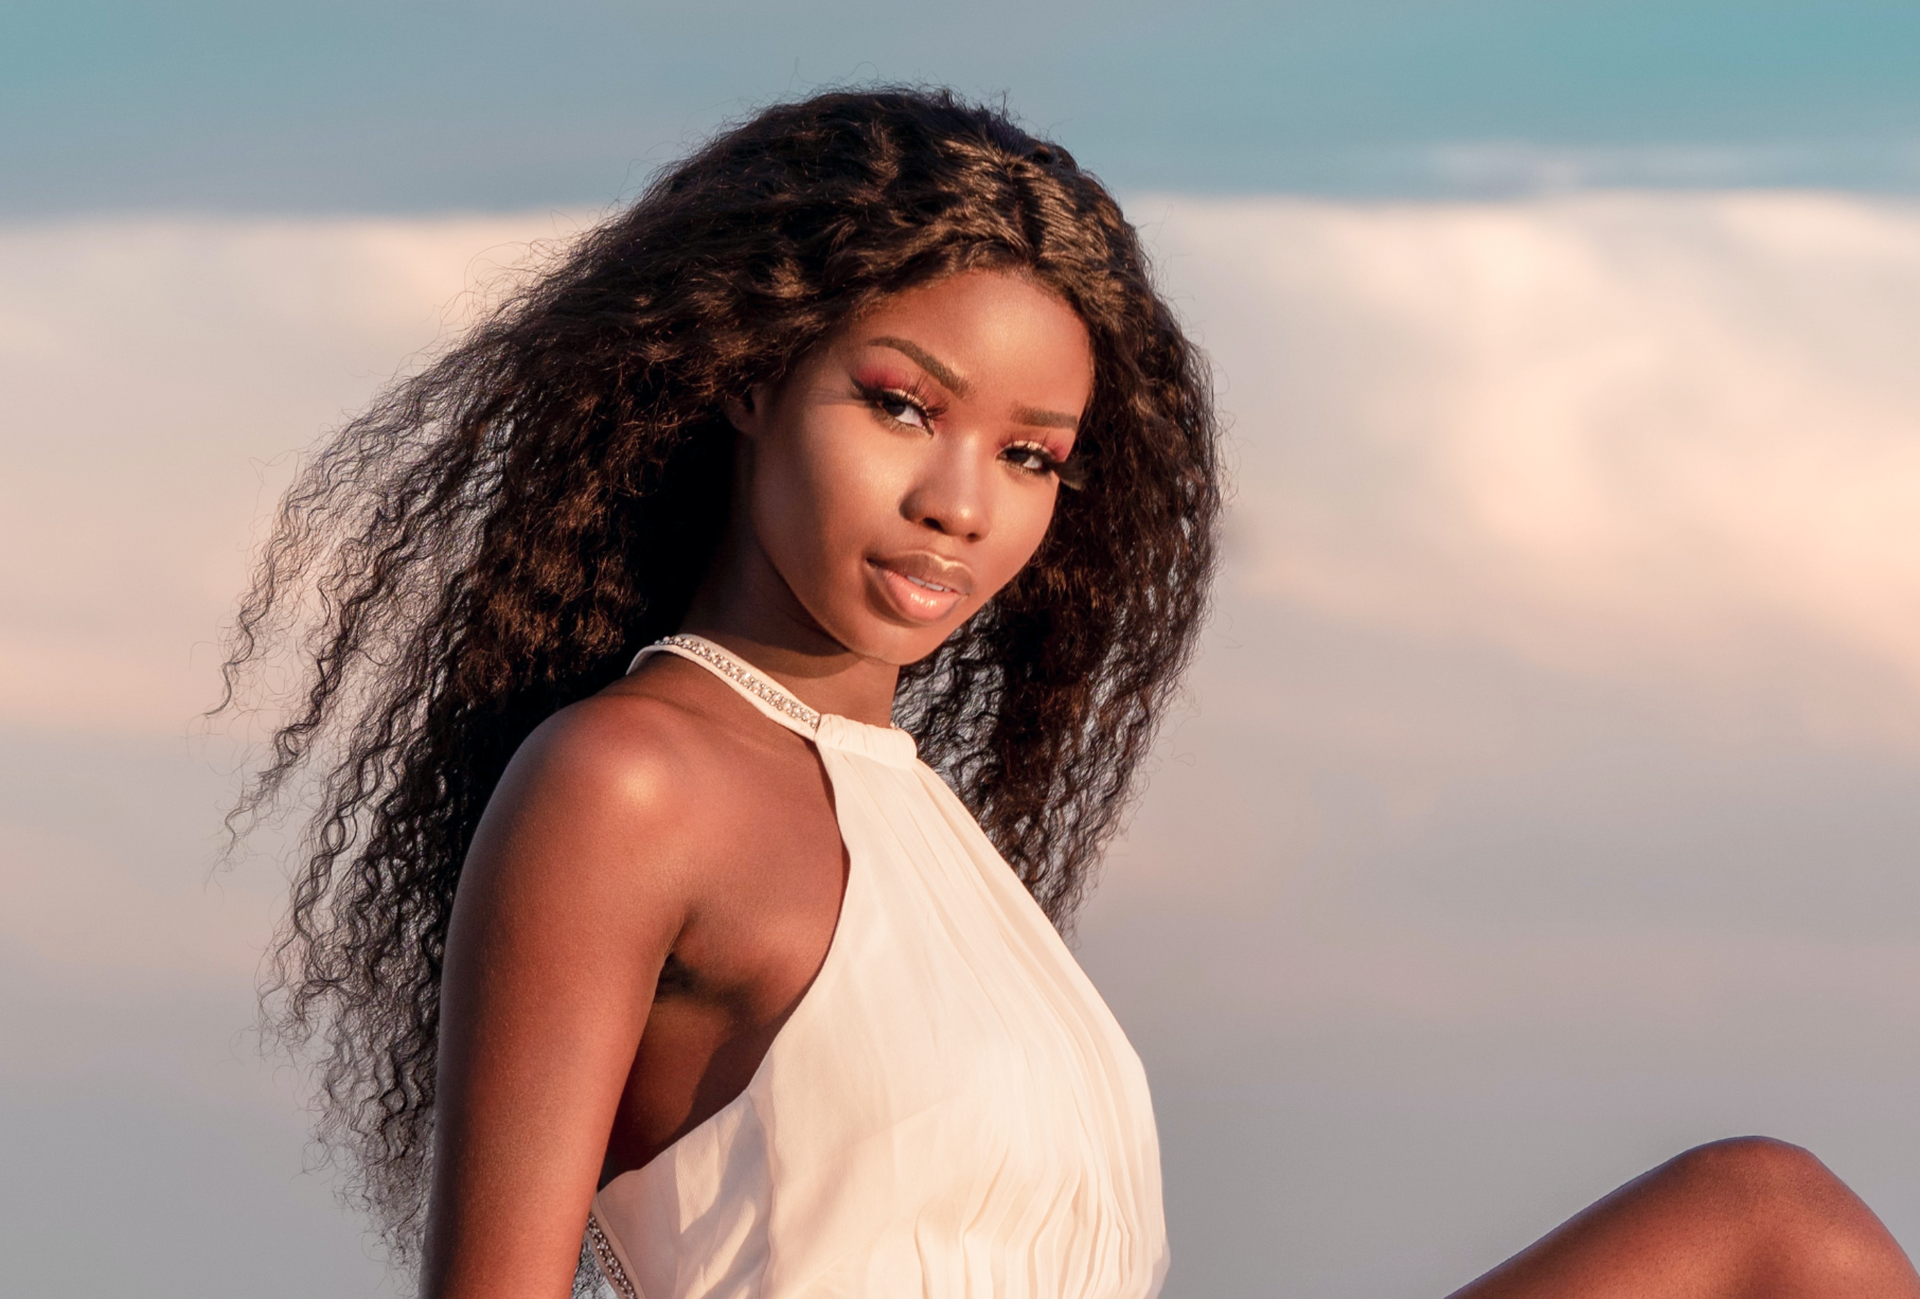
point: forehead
(995, 330)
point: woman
(630, 914)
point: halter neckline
(732, 669)
(887, 744)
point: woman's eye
(1030, 458)
(900, 409)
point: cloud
(1539, 505)
(161, 376)
(1565, 692)
(1672, 441)
(1519, 167)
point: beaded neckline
(740, 674)
(608, 1261)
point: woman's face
(908, 468)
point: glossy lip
(921, 586)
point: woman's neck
(746, 607)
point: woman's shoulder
(622, 752)
(657, 777)
(669, 740)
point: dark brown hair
(493, 538)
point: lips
(921, 586)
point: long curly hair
(494, 537)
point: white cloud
(1671, 439)
(1668, 440)
(1514, 167)
(159, 376)
(1514, 482)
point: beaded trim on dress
(608, 1262)
(739, 673)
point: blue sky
(412, 107)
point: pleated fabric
(951, 1111)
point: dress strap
(754, 688)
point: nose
(949, 495)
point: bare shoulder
(661, 798)
(624, 754)
(618, 789)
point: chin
(903, 648)
(886, 641)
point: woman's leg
(1742, 1219)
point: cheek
(820, 495)
(1020, 526)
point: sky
(359, 106)
(1543, 801)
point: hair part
(493, 538)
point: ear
(748, 412)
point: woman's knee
(1786, 1203)
(1767, 1183)
(1755, 1167)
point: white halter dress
(951, 1112)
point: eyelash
(881, 397)
(1047, 465)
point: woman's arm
(568, 904)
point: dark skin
(659, 875)
(1742, 1219)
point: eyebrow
(960, 387)
(1044, 418)
(925, 360)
